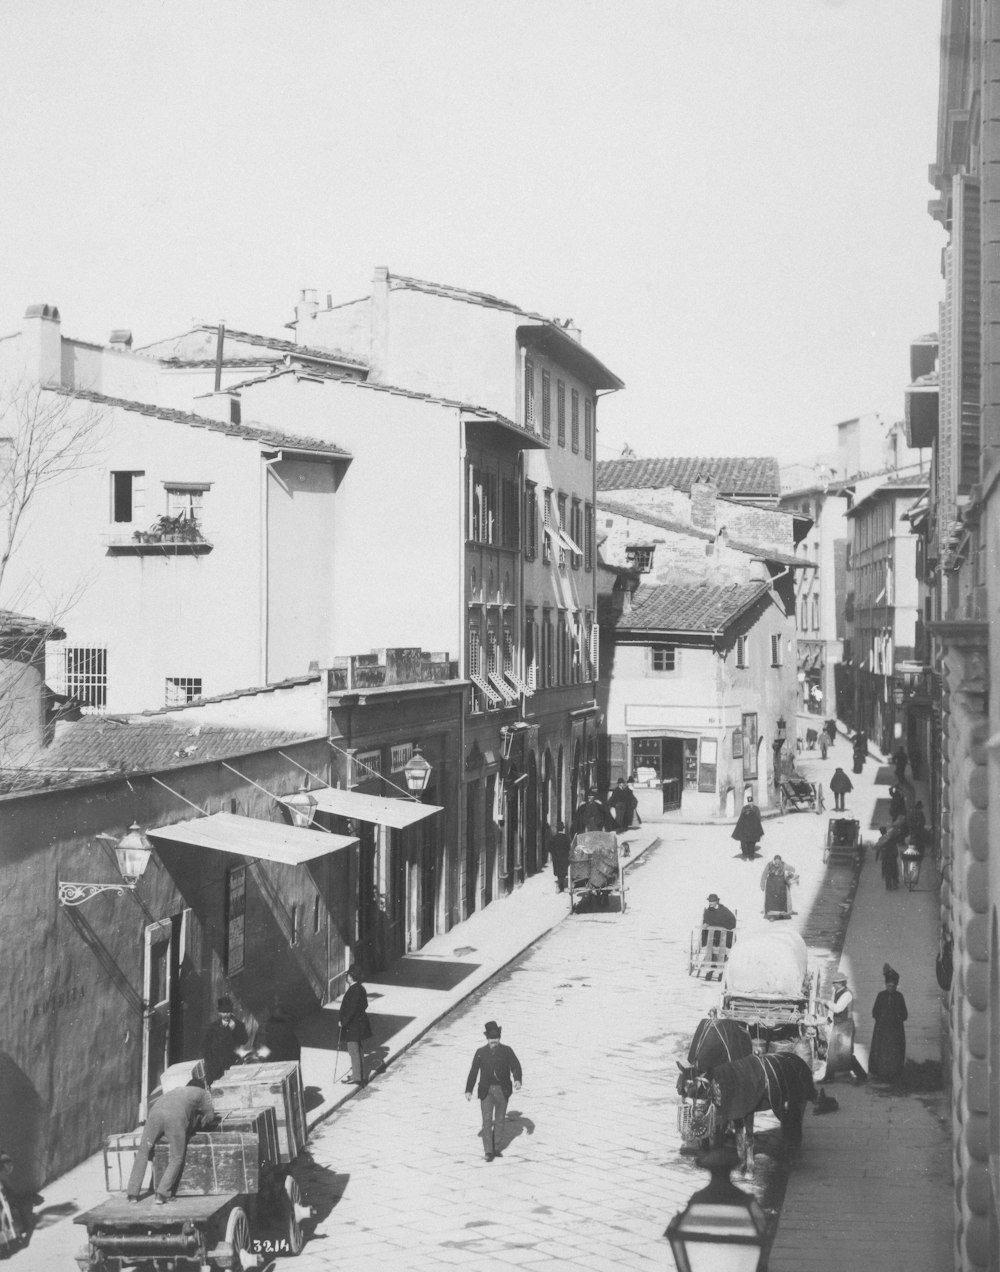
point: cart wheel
(820, 802)
(294, 1213)
(238, 1239)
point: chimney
(307, 308)
(224, 405)
(120, 338)
(378, 354)
(41, 335)
(703, 493)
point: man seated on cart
(716, 915)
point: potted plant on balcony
(165, 529)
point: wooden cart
(237, 1201)
(709, 950)
(595, 869)
(843, 840)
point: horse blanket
(781, 1082)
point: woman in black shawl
(888, 1050)
(748, 830)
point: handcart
(596, 869)
(237, 1202)
(843, 840)
(709, 950)
(796, 792)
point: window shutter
(958, 442)
(595, 652)
(618, 755)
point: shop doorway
(159, 978)
(663, 760)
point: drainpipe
(265, 475)
(462, 820)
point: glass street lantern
(417, 772)
(722, 1228)
(133, 853)
(301, 806)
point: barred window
(85, 677)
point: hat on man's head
(840, 979)
(889, 973)
(225, 1004)
(492, 1029)
(713, 896)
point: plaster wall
(398, 510)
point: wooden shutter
(959, 438)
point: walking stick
(336, 1061)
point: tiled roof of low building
(102, 745)
(738, 474)
(15, 626)
(689, 607)
(272, 344)
(244, 432)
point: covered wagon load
(768, 986)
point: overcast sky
(727, 196)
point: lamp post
(301, 806)
(132, 853)
(417, 772)
(722, 1228)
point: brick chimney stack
(703, 493)
(41, 334)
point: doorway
(159, 979)
(662, 759)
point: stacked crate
(228, 1158)
(247, 1087)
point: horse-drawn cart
(595, 869)
(709, 950)
(236, 1198)
(843, 840)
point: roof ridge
(247, 432)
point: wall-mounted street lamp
(721, 1227)
(301, 806)
(417, 772)
(780, 734)
(132, 852)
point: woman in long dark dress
(887, 852)
(888, 1050)
(774, 884)
(748, 830)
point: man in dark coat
(623, 804)
(748, 830)
(897, 803)
(355, 1027)
(716, 915)
(841, 785)
(591, 815)
(899, 761)
(173, 1117)
(559, 852)
(499, 1073)
(223, 1038)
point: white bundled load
(771, 965)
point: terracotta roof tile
(245, 432)
(760, 552)
(689, 607)
(739, 474)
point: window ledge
(126, 545)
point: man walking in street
(559, 852)
(592, 815)
(841, 785)
(499, 1072)
(173, 1117)
(223, 1040)
(840, 1051)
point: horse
(729, 1094)
(715, 1042)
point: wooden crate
(260, 1122)
(215, 1162)
(278, 1086)
(119, 1156)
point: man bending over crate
(174, 1116)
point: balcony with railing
(167, 536)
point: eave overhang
(558, 345)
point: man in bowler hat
(223, 1039)
(499, 1072)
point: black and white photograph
(484, 483)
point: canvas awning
(396, 813)
(252, 837)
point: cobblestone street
(597, 1012)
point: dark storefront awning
(397, 813)
(252, 837)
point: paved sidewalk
(872, 1187)
(413, 994)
